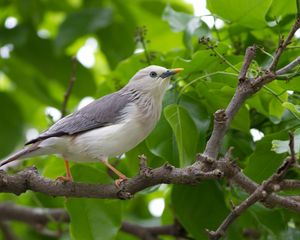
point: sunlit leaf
(249, 13)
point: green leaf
(271, 219)
(199, 207)
(293, 108)
(86, 21)
(189, 24)
(200, 116)
(11, 124)
(280, 8)
(185, 132)
(93, 219)
(263, 162)
(121, 28)
(248, 13)
(279, 146)
(28, 79)
(160, 142)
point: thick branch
(223, 118)
(29, 179)
(244, 90)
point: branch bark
(260, 193)
(41, 216)
(29, 179)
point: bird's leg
(68, 170)
(121, 176)
(68, 177)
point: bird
(107, 127)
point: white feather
(103, 142)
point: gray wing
(100, 113)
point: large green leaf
(161, 141)
(87, 21)
(93, 219)
(249, 13)
(295, 109)
(200, 116)
(263, 162)
(189, 24)
(280, 8)
(185, 132)
(28, 79)
(199, 207)
(11, 124)
(110, 36)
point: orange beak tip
(177, 70)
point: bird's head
(153, 79)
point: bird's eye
(153, 74)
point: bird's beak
(171, 72)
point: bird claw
(64, 179)
(120, 181)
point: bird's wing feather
(100, 113)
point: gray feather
(100, 113)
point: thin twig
(140, 36)
(288, 67)
(250, 54)
(284, 44)
(69, 88)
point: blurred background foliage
(112, 39)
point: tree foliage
(132, 35)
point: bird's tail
(28, 151)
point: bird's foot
(119, 181)
(64, 179)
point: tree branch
(288, 184)
(70, 87)
(284, 43)
(288, 67)
(151, 233)
(12, 212)
(249, 55)
(244, 90)
(41, 216)
(206, 168)
(29, 179)
(260, 193)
